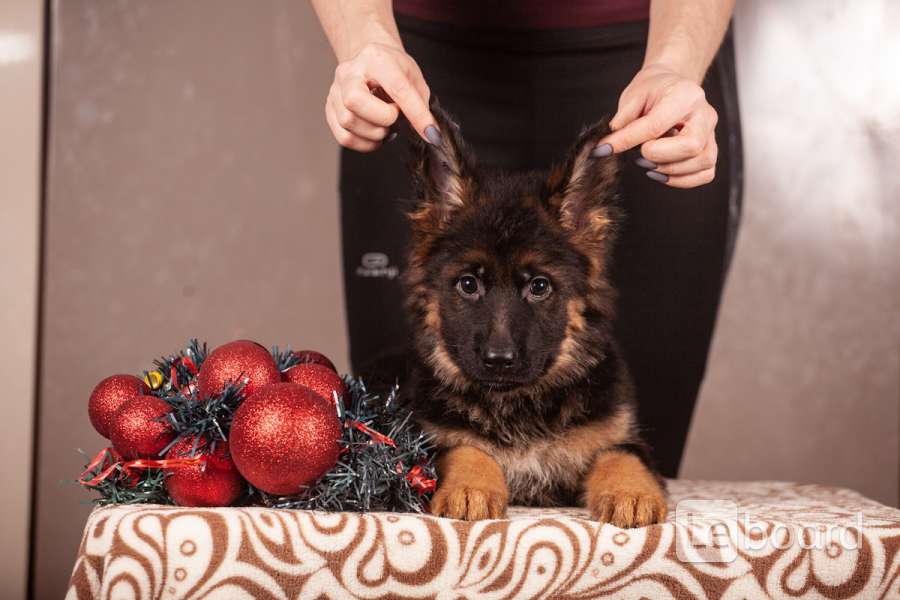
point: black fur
(505, 230)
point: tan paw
(468, 503)
(627, 509)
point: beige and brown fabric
(788, 541)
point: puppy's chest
(544, 473)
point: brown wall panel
(21, 107)
(191, 193)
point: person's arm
(666, 94)
(367, 45)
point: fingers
(362, 123)
(354, 95)
(630, 108)
(418, 81)
(692, 172)
(694, 164)
(688, 158)
(406, 88)
(359, 118)
(654, 124)
(693, 180)
(689, 142)
(344, 137)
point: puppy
(516, 370)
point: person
(522, 78)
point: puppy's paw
(468, 503)
(628, 508)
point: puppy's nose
(499, 358)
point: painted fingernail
(433, 135)
(602, 151)
(644, 163)
(391, 137)
(657, 176)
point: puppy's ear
(442, 173)
(581, 191)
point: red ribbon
(173, 377)
(379, 437)
(187, 362)
(416, 478)
(128, 468)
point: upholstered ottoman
(785, 540)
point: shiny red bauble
(319, 379)
(213, 482)
(313, 357)
(283, 437)
(109, 396)
(236, 362)
(139, 428)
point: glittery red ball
(242, 360)
(316, 358)
(319, 379)
(284, 436)
(218, 484)
(137, 431)
(109, 396)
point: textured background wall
(21, 92)
(192, 192)
(804, 379)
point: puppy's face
(504, 275)
(506, 271)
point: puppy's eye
(467, 285)
(539, 288)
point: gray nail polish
(433, 135)
(657, 176)
(601, 151)
(644, 163)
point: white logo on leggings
(376, 264)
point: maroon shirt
(526, 14)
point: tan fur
(441, 364)
(472, 486)
(620, 490)
(571, 362)
(564, 458)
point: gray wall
(192, 192)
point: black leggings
(521, 98)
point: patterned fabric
(788, 540)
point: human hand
(357, 117)
(667, 115)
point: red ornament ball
(213, 482)
(109, 396)
(240, 361)
(284, 436)
(138, 429)
(319, 379)
(313, 357)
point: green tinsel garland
(386, 465)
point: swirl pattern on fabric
(781, 551)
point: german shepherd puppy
(517, 373)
